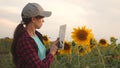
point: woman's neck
(30, 29)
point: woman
(28, 49)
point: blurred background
(101, 16)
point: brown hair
(20, 29)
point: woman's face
(38, 22)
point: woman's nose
(42, 19)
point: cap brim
(46, 13)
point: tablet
(62, 31)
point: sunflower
(93, 43)
(103, 42)
(82, 36)
(113, 39)
(67, 48)
(46, 40)
(84, 50)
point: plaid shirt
(27, 53)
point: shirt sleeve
(29, 54)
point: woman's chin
(38, 27)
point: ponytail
(17, 34)
(19, 31)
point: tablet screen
(62, 31)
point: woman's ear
(33, 19)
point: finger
(56, 47)
(56, 41)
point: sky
(102, 16)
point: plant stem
(78, 58)
(100, 55)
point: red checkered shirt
(27, 53)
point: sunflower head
(103, 42)
(67, 48)
(81, 36)
(83, 50)
(113, 39)
(46, 40)
(93, 43)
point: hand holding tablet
(62, 31)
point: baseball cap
(34, 9)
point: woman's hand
(54, 48)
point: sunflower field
(84, 51)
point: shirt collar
(26, 35)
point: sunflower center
(102, 41)
(66, 47)
(45, 38)
(82, 35)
